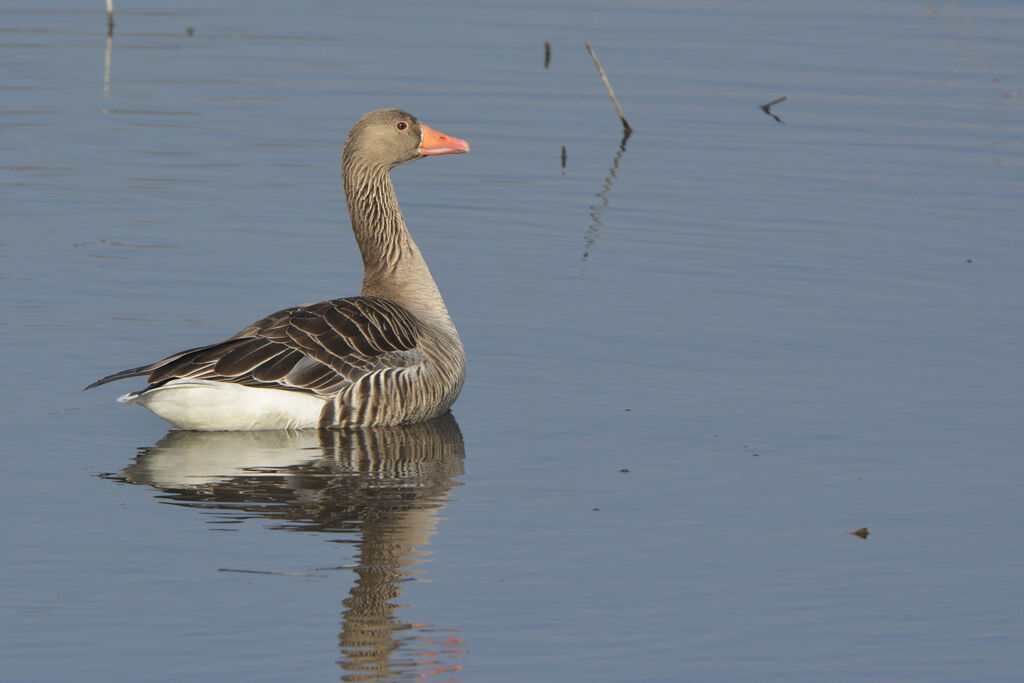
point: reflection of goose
(191, 460)
(389, 356)
(384, 483)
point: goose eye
(401, 125)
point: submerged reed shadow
(382, 486)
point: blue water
(697, 359)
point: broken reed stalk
(767, 108)
(625, 124)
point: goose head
(386, 138)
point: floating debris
(767, 108)
(257, 571)
(860, 533)
(547, 54)
(129, 245)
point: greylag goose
(386, 357)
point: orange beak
(436, 142)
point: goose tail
(124, 374)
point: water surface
(696, 360)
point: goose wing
(318, 349)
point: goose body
(388, 356)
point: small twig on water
(110, 18)
(767, 108)
(547, 54)
(563, 156)
(257, 571)
(625, 124)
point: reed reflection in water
(594, 229)
(386, 484)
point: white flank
(222, 406)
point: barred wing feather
(318, 349)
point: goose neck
(393, 266)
